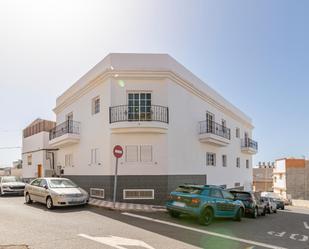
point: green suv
(205, 202)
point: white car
(271, 205)
(11, 185)
(55, 192)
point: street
(88, 227)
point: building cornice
(73, 94)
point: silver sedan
(55, 192)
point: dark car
(253, 206)
(205, 202)
(279, 202)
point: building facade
(263, 177)
(174, 129)
(291, 178)
(38, 158)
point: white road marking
(276, 233)
(306, 225)
(303, 238)
(205, 232)
(117, 242)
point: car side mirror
(45, 186)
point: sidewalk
(121, 206)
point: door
(217, 198)
(33, 190)
(42, 191)
(230, 207)
(139, 106)
(210, 121)
(69, 121)
(40, 170)
(246, 139)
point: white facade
(167, 143)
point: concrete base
(161, 184)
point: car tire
(275, 211)
(28, 199)
(174, 214)
(239, 214)
(255, 213)
(268, 210)
(206, 217)
(282, 208)
(49, 203)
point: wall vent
(97, 193)
(138, 194)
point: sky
(254, 53)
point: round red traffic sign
(118, 151)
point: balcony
(214, 133)
(64, 134)
(249, 146)
(139, 119)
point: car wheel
(239, 214)
(206, 217)
(275, 211)
(255, 213)
(174, 214)
(49, 203)
(268, 210)
(282, 208)
(28, 199)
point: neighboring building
(37, 156)
(173, 127)
(263, 177)
(291, 178)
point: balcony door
(210, 121)
(139, 106)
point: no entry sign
(118, 151)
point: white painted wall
(280, 184)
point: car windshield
(242, 196)
(189, 190)
(62, 183)
(10, 179)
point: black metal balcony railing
(212, 127)
(67, 127)
(249, 143)
(123, 113)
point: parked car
(55, 192)
(279, 202)
(271, 206)
(204, 202)
(11, 185)
(253, 206)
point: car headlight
(5, 187)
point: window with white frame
(224, 160)
(146, 153)
(237, 132)
(68, 160)
(96, 105)
(210, 159)
(95, 156)
(29, 160)
(247, 164)
(238, 162)
(131, 153)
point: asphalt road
(92, 228)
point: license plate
(179, 204)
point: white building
(38, 158)
(173, 127)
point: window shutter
(131, 153)
(146, 153)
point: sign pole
(115, 183)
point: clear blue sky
(255, 53)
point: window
(280, 176)
(205, 192)
(237, 184)
(238, 162)
(43, 183)
(275, 179)
(29, 160)
(223, 122)
(95, 156)
(131, 153)
(216, 193)
(139, 106)
(227, 195)
(95, 105)
(132, 194)
(69, 117)
(210, 120)
(211, 159)
(224, 161)
(237, 132)
(247, 164)
(146, 153)
(36, 182)
(68, 160)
